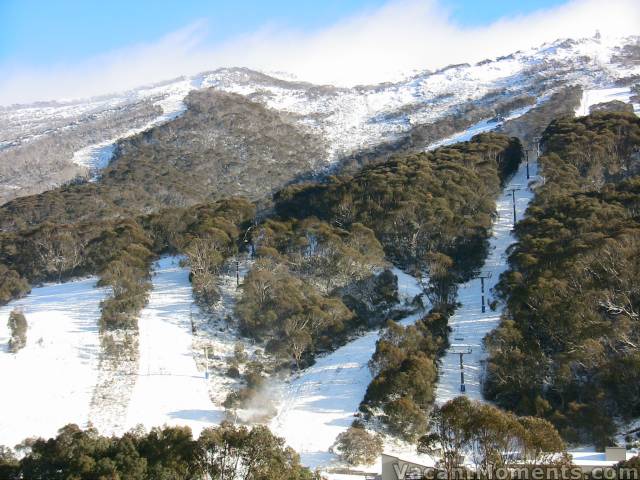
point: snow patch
(594, 96)
(49, 383)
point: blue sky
(61, 49)
(53, 31)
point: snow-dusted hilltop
(46, 144)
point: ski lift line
(513, 191)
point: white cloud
(371, 47)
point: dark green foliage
(440, 201)
(292, 298)
(12, 285)
(585, 153)
(325, 256)
(432, 213)
(286, 312)
(18, 327)
(220, 453)
(567, 347)
(127, 273)
(120, 251)
(373, 298)
(190, 160)
(404, 370)
(489, 436)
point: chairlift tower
(461, 350)
(485, 274)
(513, 191)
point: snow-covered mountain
(46, 144)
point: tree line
(568, 346)
(313, 282)
(120, 252)
(225, 452)
(427, 209)
(431, 213)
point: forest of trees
(121, 251)
(404, 369)
(486, 436)
(431, 213)
(226, 452)
(356, 446)
(568, 346)
(292, 299)
(427, 210)
(316, 276)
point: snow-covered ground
(349, 119)
(217, 333)
(64, 375)
(594, 96)
(49, 383)
(469, 324)
(97, 156)
(170, 389)
(354, 118)
(324, 398)
(320, 403)
(484, 126)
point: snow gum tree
(18, 327)
(489, 437)
(356, 446)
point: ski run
(469, 324)
(49, 383)
(170, 385)
(169, 389)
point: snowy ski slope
(49, 383)
(319, 403)
(469, 325)
(593, 96)
(170, 389)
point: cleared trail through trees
(319, 403)
(469, 324)
(169, 389)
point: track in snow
(469, 325)
(320, 403)
(49, 383)
(169, 389)
(97, 156)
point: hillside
(345, 127)
(235, 250)
(570, 292)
